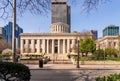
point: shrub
(31, 56)
(72, 55)
(112, 77)
(99, 54)
(7, 51)
(5, 55)
(14, 71)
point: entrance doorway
(56, 49)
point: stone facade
(59, 41)
(108, 42)
(51, 43)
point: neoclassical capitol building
(60, 40)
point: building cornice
(55, 34)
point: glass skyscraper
(7, 32)
(111, 30)
(1, 33)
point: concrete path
(69, 75)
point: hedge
(31, 56)
(5, 55)
(14, 71)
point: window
(56, 42)
(35, 50)
(29, 41)
(23, 41)
(114, 43)
(40, 41)
(35, 41)
(70, 41)
(109, 44)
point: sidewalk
(73, 67)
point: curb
(78, 69)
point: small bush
(14, 72)
(31, 56)
(112, 77)
(7, 51)
(5, 55)
(72, 55)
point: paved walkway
(71, 66)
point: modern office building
(60, 41)
(111, 30)
(61, 12)
(95, 34)
(1, 33)
(7, 32)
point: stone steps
(57, 56)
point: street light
(13, 32)
(78, 54)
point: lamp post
(13, 32)
(78, 54)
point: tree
(4, 45)
(87, 45)
(39, 6)
(111, 52)
(99, 54)
(34, 6)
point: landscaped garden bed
(111, 77)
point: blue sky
(106, 14)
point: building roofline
(54, 34)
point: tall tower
(60, 15)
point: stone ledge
(99, 62)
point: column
(62, 28)
(32, 46)
(68, 45)
(26, 46)
(57, 28)
(73, 42)
(58, 46)
(47, 46)
(21, 46)
(38, 46)
(63, 46)
(43, 45)
(73, 46)
(52, 46)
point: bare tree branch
(40, 6)
(89, 5)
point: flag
(16, 34)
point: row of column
(48, 45)
(59, 29)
